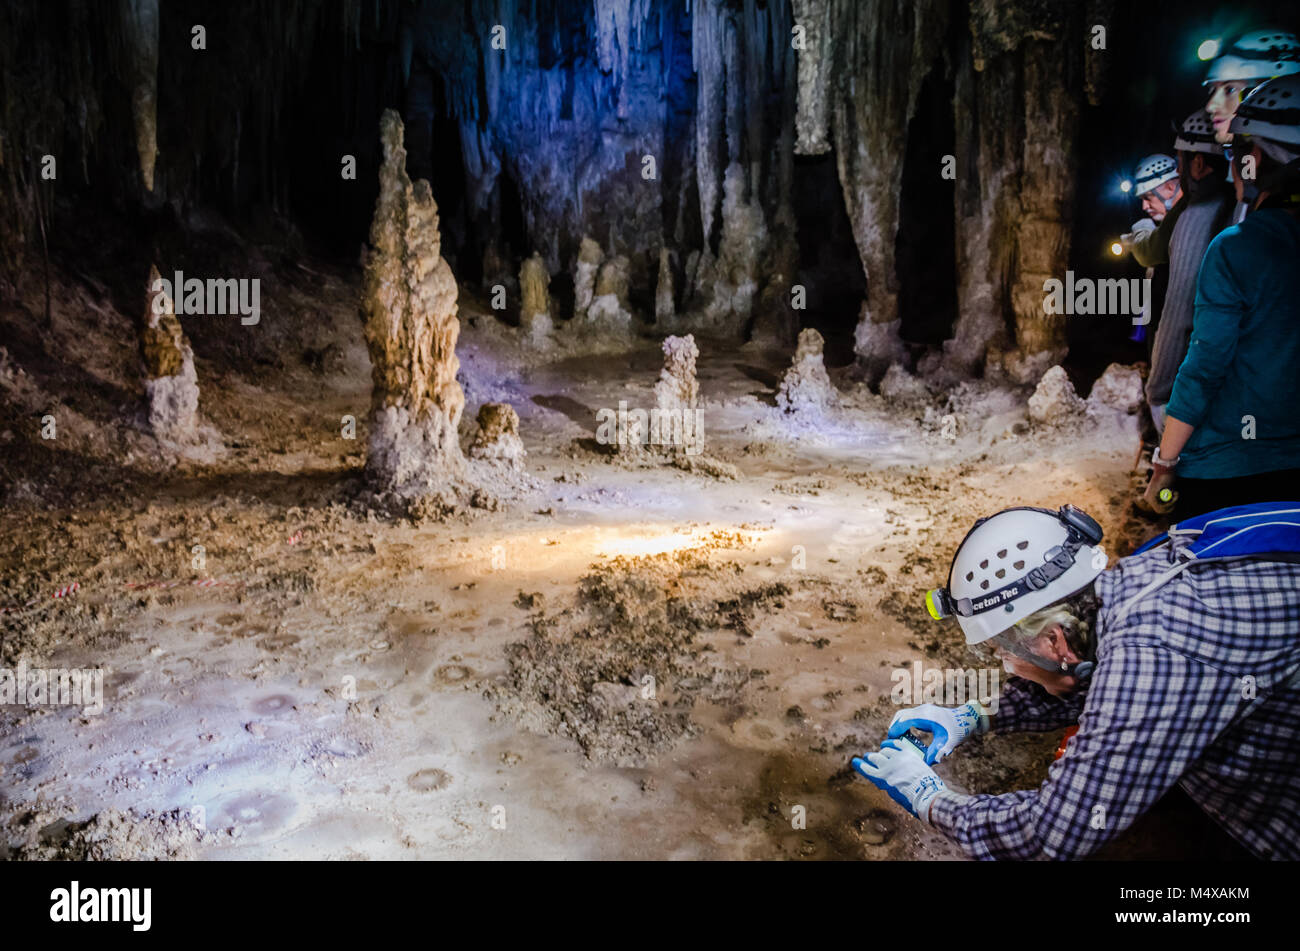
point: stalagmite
(609, 311)
(171, 385)
(589, 260)
(408, 306)
(1054, 401)
(1118, 389)
(677, 389)
(806, 386)
(142, 19)
(535, 310)
(665, 310)
(497, 441)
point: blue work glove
(900, 770)
(948, 726)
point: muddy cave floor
(375, 688)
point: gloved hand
(902, 772)
(1162, 477)
(948, 726)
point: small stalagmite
(535, 309)
(584, 276)
(806, 386)
(609, 310)
(665, 310)
(497, 440)
(677, 388)
(1054, 402)
(171, 386)
(408, 307)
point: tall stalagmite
(535, 300)
(408, 306)
(171, 385)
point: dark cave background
(251, 131)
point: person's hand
(948, 726)
(1127, 240)
(1162, 477)
(902, 773)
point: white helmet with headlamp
(1256, 56)
(1271, 115)
(1015, 563)
(1152, 172)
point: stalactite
(814, 61)
(142, 19)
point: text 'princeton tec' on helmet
(993, 571)
(1271, 111)
(1256, 57)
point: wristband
(1164, 463)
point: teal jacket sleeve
(1220, 306)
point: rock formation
(1019, 89)
(609, 312)
(497, 441)
(806, 386)
(665, 308)
(1054, 401)
(1118, 389)
(584, 277)
(171, 385)
(677, 388)
(142, 18)
(535, 309)
(408, 307)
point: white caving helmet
(1197, 135)
(1257, 56)
(1152, 172)
(1271, 113)
(1015, 563)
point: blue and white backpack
(1263, 531)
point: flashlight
(1117, 249)
(915, 742)
(1207, 50)
(1126, 186)
(936, 604)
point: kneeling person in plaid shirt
(1174, 676)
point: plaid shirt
(1169, 702)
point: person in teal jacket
(1232, 430)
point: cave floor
(339, 701)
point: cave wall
(621, 120)
(556, 129)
